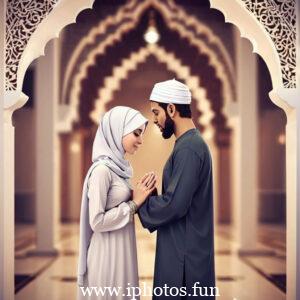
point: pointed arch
(113, 83)
(174, 20)
(214, 61)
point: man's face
(162, 120)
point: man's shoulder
(195, 144)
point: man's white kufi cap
(171, 91)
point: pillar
(292, 98)
(293, 203)
(215, 164)
(292, 131)
(224, 175)
(2, 175)
(47, 168)
(9, 102)
(74, 179)
(6, 180)
(245, 148)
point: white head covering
(108, 150)
(107, 146)
(171, 91)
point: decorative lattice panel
(279, 19)
(22, 18)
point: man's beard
(168, 131)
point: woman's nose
(140, 140)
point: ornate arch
(26, 37)
(117, 36)
(25, 16)
(283, 13)
(248, 16)
(173, 20)
(112, 83)
(27, 32)
(252, 20)
(238, 12)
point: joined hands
(145, 186)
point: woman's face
(133, 140)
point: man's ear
(171, 109)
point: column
(292, 130)
(75, 167)
(292, 97)
(215, 164)
(3, 250)
(245, 148)
(224, 175)
(293, 203)
(6, 180)
(47, 169)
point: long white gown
(112, 255)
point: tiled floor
(237, 278)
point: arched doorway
(15, 99)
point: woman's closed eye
(137, 132)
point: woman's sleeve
(101, 220)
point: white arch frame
(235, 13)
(63, 14)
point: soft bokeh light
(75, 147)
(281, 139)
(151, 36)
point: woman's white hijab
(107, 146)
(108, 150)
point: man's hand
(145, 186)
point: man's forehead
(154, 105)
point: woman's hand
(144, 188)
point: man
(183, 213)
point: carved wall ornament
(22, 18)
(279, 19)
(277, 16)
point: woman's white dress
(112, 255)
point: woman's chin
(132, 152)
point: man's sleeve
(175, 202)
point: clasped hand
(145, 186)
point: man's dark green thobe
(183, 218)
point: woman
(107, 249)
